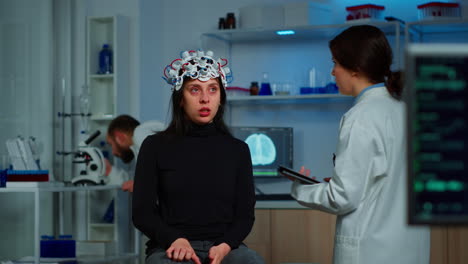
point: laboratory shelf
(101, 76)
(59, 188)
(447, 25)
(287, 99)
(309, 32)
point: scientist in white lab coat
(367, 190)
(125, 135)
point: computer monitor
(437, 105)
(269, 148)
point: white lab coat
(368, 187)
(119, 175)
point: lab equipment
(230, 21)
(105, 60)
(254, 88)
(436, 92)
(221, 23)
(91, 163)
(23, 153)
(434, 10)
(197, 65)
(265, 88)
(364, 12)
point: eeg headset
(196, 65)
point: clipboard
(287, 172)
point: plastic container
(3, 178)
(105, 60)
(434, 10)
(64, 247)
(364, 12)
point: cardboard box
(261, 16)
(306, 13)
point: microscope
(91, 163)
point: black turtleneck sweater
(198, 187)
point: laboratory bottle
(265, 88)
(230, 21)
(254, 88)
(222, 23)
(105, 60)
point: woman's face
(343, 78)
(201, 100)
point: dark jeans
(240, 255)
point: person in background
(194, 194)
(367, 190)
(125, 135)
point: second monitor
(269, 148)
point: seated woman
(193, 194)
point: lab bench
(51, 187)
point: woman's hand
(217, 253)
(306, 172)
(181, 250)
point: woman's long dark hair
(365, 49)
(180, 125)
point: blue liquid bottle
(265, 88)
(105, 60)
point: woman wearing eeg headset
(194, 196)
(367, 190)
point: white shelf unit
(444, 29)
(37, 191)
(108, 93)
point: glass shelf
(101, 76)
(446, 25)
(285, 99)
(54, 188)
(309, 32)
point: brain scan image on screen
(269, 147)
(262, 149)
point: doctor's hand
(306, 172)
(127, 186)
(181, 250)
(217, 253)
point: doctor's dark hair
(366, 50)
(180, 125)
(123, 123)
